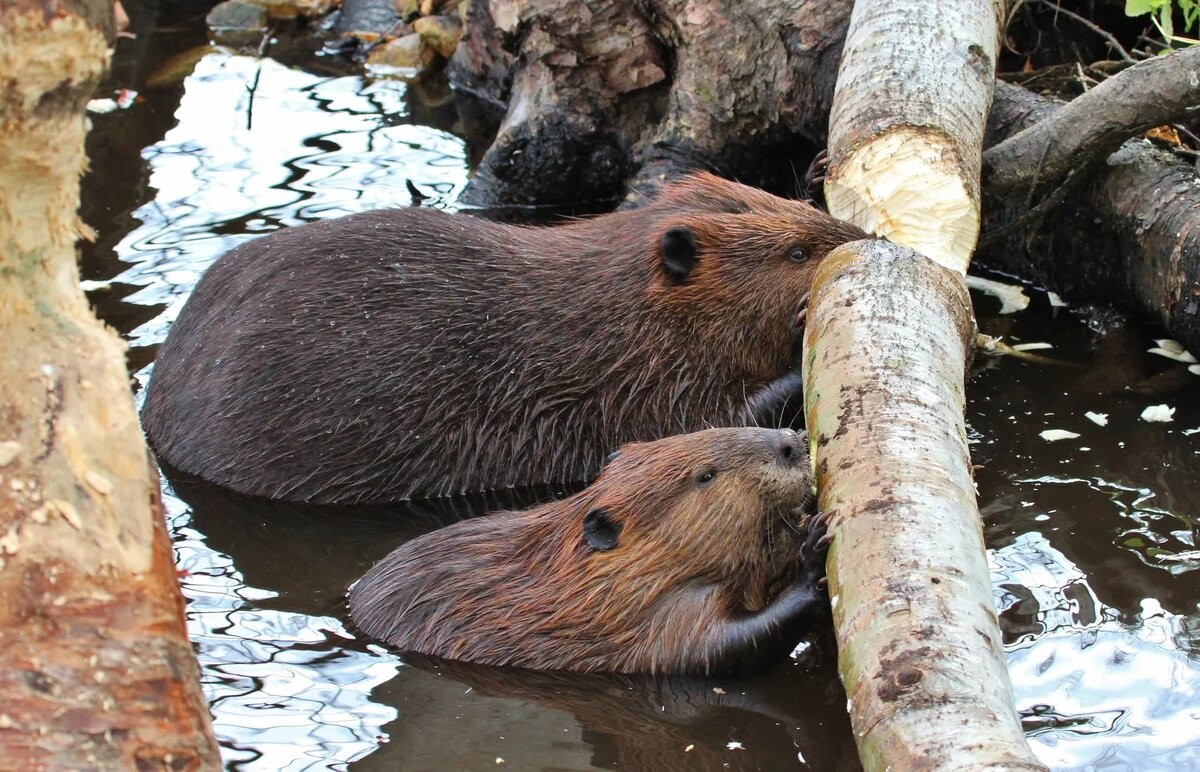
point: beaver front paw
(815, 549)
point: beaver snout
(788, 448)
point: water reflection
(259, 146)
(287, 690)
(1094, 539)
(1095, 693)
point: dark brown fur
(702, 576)
(410, 353)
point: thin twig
(1112, 41)
(1152, 42)
(1084, 80)
(1187, 132)
(1056, 197)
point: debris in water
(101, 106)
(1100, 419)
(734, 745)
(1055, 299)
(1158, 413)
(1031, 346)
(1172, 349)
(1012, 298)
(1054, 435)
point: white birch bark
(888, 337)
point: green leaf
(1141, 7)
(1164, 18)
(1191, 13)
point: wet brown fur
(409, 353)
(525, 588)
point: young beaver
(410, 353)
(681, 557)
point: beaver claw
(817, 173)
(816, 546)
(801, 312)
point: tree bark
(1094, 125)
(919, 649)
(885, 350)
(606, 96)
(1129, 233)
(95, 667)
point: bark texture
(885, 349)
(1092, 126)
(95, 667)
(1129, 233)
(906, 127)
(607, 94)
(919, 649)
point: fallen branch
(1095, 124)
(919, 646)
(1129, 233)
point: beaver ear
(679, 253)
(599, 530)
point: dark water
(1093, 539)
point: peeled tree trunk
(96, 671)
(888, 335)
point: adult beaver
(682, 557)
(410, 353)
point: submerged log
(885, 354)
(95, 667)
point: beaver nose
(789, 448)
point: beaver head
(684, 556)
(738, 262)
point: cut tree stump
(96, 671)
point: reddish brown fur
(692, 586)
(410, 353)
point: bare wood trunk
(886, 344)
(887, 341)
(95, 667)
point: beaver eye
(797, 254)
(707, 476)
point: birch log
(886, 346)
(96, 671)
